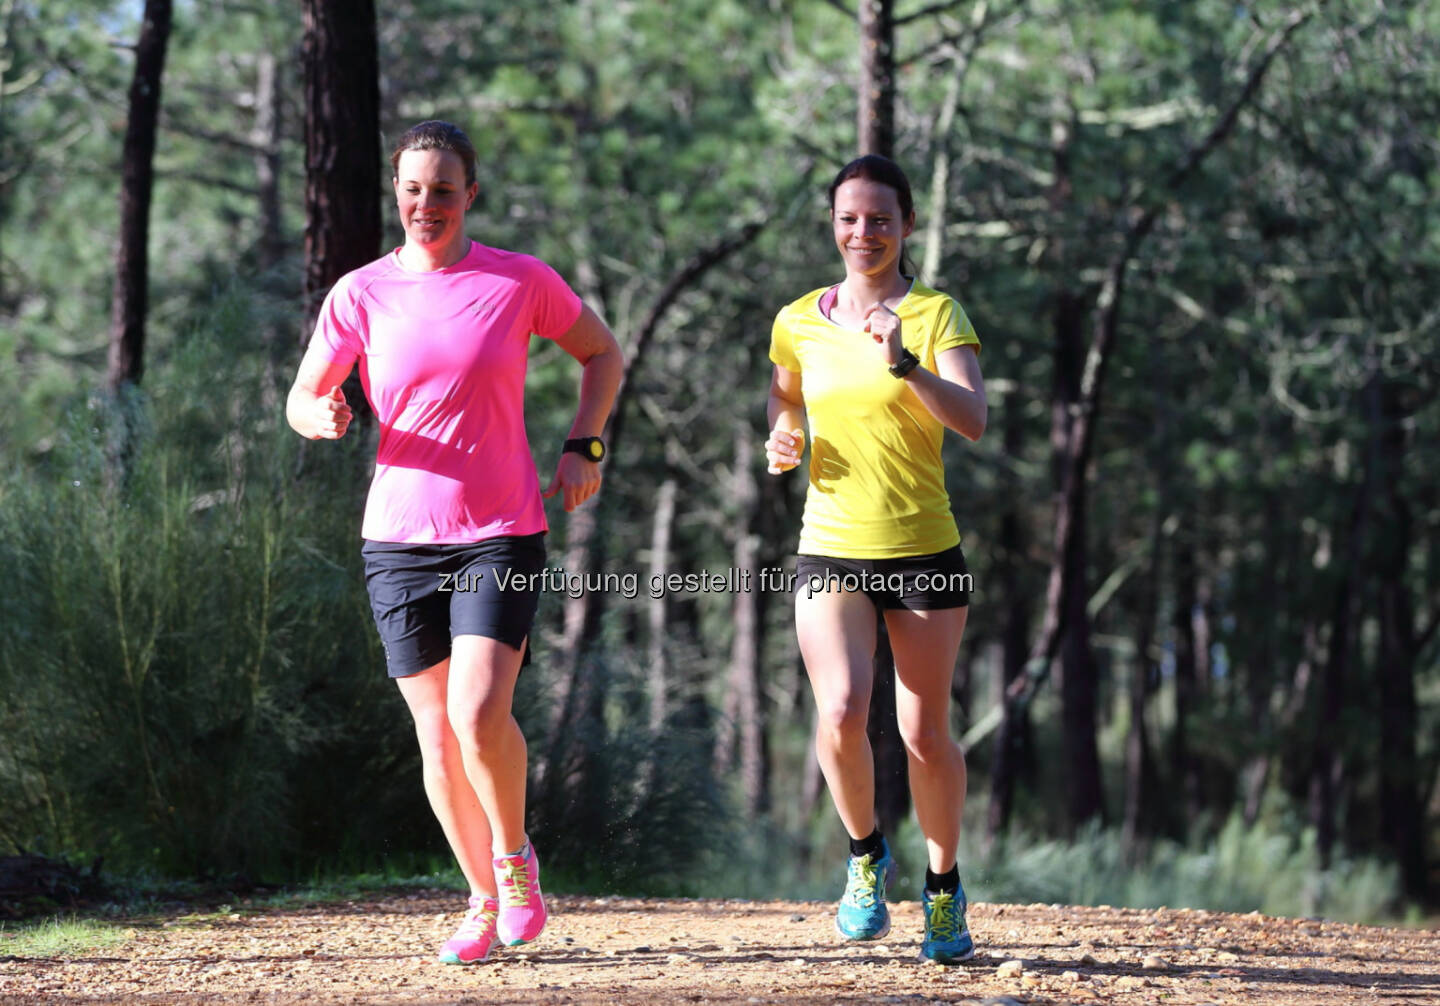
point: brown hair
(874, 168)
(436, 134)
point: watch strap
(589, 448)
(908, 361)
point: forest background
(1198, 242)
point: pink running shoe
(472, 941)
(522, 909)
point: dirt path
(613, 950)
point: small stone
(1131, 982)
(642, 949)
(1010, 969)
(1088, 960)
(797, 917)
(1030, 981)
(1226, 957)
(1154, 963)
(1073, 977)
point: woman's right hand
(783, 450)
(330, 416)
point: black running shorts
(914, 583)
(422, 596)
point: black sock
(872, 845)
(948, 882)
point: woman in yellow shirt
(880, 365)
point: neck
(428, 258)
(860, 292)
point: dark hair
(436, 134)
(875, 168)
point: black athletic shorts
(422, 596)
(914, 582)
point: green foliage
(1273, 869)
(177, 677)
(199, 639)
(62, 936)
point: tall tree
(875, 126)
(1064, 630)
(342, 143)
(137, 172)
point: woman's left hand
(883, 325)
(578, 478)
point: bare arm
(956, 395)
(315, 407)
(593, 345)
(785, 409)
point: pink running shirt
(442, 359)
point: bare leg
(837, 640)
(482, 688)
(925, 644)
(452, 798)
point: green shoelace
(943, 921)
(515, 883)
(863, 881)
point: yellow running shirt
(877, 484)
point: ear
(909, 225)
(471, 193)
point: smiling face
(870, 228)
(431, 194)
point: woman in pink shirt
(454, 525)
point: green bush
(190, 682)
(1270, 868)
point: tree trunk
(1327, 759)
(1139, 769)
(266, 138)
(659, 664)
(892, 771)
(1402, 817)
(1012, 741)
(875, 134)
(342, 145)
(745, 690)
(1079, 676)
(875, 129)
(137, 172)
(1183, 765)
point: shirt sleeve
(338, 326)
(953, 328)
(782, 345)
(554, 306)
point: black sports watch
(589, 448)
(908, 361)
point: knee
(438, 751)
(927, 742)
(842, 719)
(478, 726)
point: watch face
(597, 450)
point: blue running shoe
(947, 937)
(862, 914)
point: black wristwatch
(589, 448)
(908, 361)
